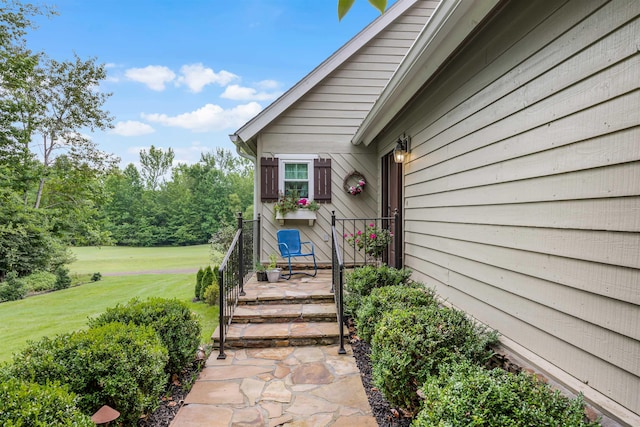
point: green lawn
(118, 259)
(68, 310)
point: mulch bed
(384, 413)
(173, 398)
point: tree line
(57, 188)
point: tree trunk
(39, 195)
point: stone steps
(263, 335)
(293, 313)
(283, 313)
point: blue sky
(185, 74)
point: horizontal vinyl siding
(522, 193)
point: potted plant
(261, 272)
(273, 273)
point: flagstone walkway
(287, 386)
(283, 385)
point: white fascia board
(450, 24)
(277, 107)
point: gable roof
(450, 25)
(243, 136)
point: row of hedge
(430, 360)
(14, 288)
(124, 360)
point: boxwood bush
(409, 345)
(29, 404)
(469, 395)
(385, 299)
(363, 280)
(114, 364)
(176, 325)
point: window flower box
(299, 215)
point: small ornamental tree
(63, 281)
(207, 280)
(199, 276)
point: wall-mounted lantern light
(402, 149)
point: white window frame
(297, 158)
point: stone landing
(269, 387)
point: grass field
(67, 310)
(119, 259)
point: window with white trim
(296, 175)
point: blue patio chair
(291, 247)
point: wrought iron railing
(235, 271)
(358, 248)
(346, 234)
(337, 282)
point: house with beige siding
(519, 197)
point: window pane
(301, 188)
(296, 171)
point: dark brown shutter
(322, 180)
(268, 179)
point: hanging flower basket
(354, 183)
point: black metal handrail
(337, 282)
(235, 271)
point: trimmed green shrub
(96, 277)
(39, 281)
(469, 395)
(12, 288)
(29, 404)
(409, 346)
(114, 364)
(363, 280)
(207, 280)
(199, 276)
(385, 299)
(212, 294)
(63, 281)
(176, 325)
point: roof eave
(449, 26)
(277, 107)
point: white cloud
(154, 76)
(132, 128)
(268, 84)
(241, 93)
(208, 118)
(196, 77)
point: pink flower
(303, 202)
(372, 236)
(371, 225)
(359, 233)
(345, 235)
(361, 182)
